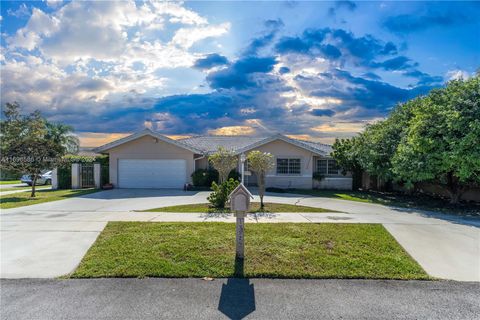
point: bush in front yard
(64, 176)
(204, 177)
(219, 197)
(235, 175)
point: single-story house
(148, 159)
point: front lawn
(254, 208)
(417, 201)
(276, 250)
(21, 199)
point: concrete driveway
(49, 239)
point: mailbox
(240, 199)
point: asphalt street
(153, 298)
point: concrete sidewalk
(49, 239)
(4, 193)
(237, 298)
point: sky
(310, 70)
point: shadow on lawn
(237, 299)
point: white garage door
(136, 173)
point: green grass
(417, 201)
(345, 195)
(276, 250)
(254, 208)
(21, 199)
(10, 182)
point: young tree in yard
(260, 163)
(442, 142)
(31, 144)
(223, 161)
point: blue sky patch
(319, 70)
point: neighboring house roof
(209, 144)
(87, 151)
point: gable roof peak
(142, 133)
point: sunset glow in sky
(316, 70)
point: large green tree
(434, 138)
(442, 140)
(30, 144)
(373, 150)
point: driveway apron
(49, 239)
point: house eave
(282, 138)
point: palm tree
(62, 135)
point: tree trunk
(261, 189)
(454, 188)
(357, 176)
(455, 197)
(34, 182)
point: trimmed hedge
(64, 178)
(9, 175)
(104, 174)
(205, 177)
(69, 159)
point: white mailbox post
(240, 203)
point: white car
(44, 178)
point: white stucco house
(148, 159)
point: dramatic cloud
(86, 57)
(186, 37)
(344, 4)
(210, 61)
(361, 97)
(457, 74)
(273, 27)
(113, 67)
(241, 74)
(22, 11)
(442, 15)
(322, 112)
(336, 43)
(397, 63)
